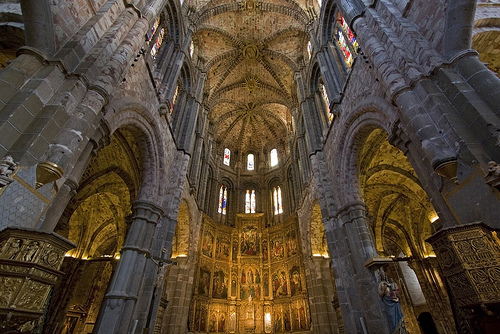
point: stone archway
(400, 218)
(95, 221)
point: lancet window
(278, 203)
(250, 201)
(274, 157)
(346, 40)
(222, 199)
(227, 156)
(250, 162)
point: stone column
(29, 268)
(351, 245)
(127, 291)
(320, 292)
(469, 256)
(429, 278)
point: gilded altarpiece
(249, 278)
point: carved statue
(493, 169)
(14, 249)
(388, 291)
(31, 250)
(7, 166)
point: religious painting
(212, 322)
(266, 285)
(219, 288)
(280, 286)
(286, 321)
(249, 241)
(257, 276)
(232, 322)
(243, 292)
(291, 243)
(295, 281)
(199, 320)
(208, 242)
(264, 251)
(278, 322)
(250, 276)
(302, 318)
(277, 249)
(233, 286)
(222, 249)
(222, 323)
(204, 282)
(235, 251)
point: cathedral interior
(249, 166)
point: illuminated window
(227, 154)
(157, 45)
(250, 202)
(274, 157)
(174, 98)
(346, 40)
(320, 3)
(250, 162)
(222, 200)
(191, 49)
(309, 49)
(327, 101)
(278, 206)
(153, 29)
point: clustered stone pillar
(29, 268)
(127, 290)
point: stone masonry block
(8, 134)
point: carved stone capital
(29, 267)
(147, 211)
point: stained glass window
(250, 162)
(347, 41)
(174, 98)
(157, 45)
(191, 49)
(327, 101)
(309, 49)
(252, 202)
(222, 200)
(278, 206)
(227, 154)
(247, 202)
(274, 157)
(153, 29)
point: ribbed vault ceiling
(250, 51)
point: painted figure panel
(204, 282)
(277, 250)
(291, 243)
(250, 241)
(207, 245)
(280, 286)
(220, 285)
(295, 281)
(222, 249)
